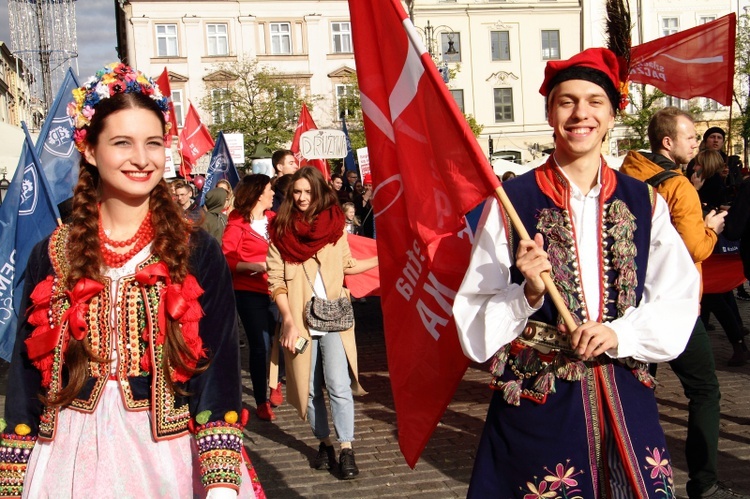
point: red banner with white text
(428, 171)
(698, 62)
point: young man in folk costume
(574, 413)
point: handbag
(328, 315)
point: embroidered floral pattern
(561, 246)
(15, 451)
(661, 472)
(558, 484)
(620, 226)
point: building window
(550, 44)
(709, 104)
(676, 102)
(342, 37)
(344, 97)
(500, 45)
(179, 113)
(450, 47)
(222, 107)
(706, 19)
(286, 98)
(458, 96)
(166, 40)
(669, 26)
(218, 41)
(503, 105)
(281, 38)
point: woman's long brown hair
(170, 244)
(322, 197)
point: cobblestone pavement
(282, 450)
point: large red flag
(428, 171)
(692, 63)
(304, 124)
(195, 140)
(166, 90)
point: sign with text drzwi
(322, 144)
(236, 145)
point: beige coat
(332, 259)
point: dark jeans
(724, 307)
(696, 370)
(259, 324)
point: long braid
(171, 245)
(85, 260)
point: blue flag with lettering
(220, 167)
(55, 146)
(349, 164)
(27, 216)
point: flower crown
(115, 78)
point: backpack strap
(661, 177)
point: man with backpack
(673, 141)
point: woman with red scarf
(309, 254)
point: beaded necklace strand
(140, 239)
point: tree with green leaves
(646, 101)
(245, 97)
(740, 124)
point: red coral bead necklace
(143, 236)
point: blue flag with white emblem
(349, 163)
(27, 216)
(220, 167)
(55, 146)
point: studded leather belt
(544, 338)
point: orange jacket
(682, 199)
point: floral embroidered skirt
(110, 454)
(597, 437)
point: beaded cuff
(220, 450)
(15, 451)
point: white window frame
(458, 96)
(281, 38)
(709, 104)
(177, 99)
(221, 108)
(499, 34)
(550, 52)
(341, 37)
(669, 25)
(504, 102)
(217, 42)
(343, 90)
(170, 39)
(706, 19)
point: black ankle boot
(740, 355)
(347, 466)
(326, 458)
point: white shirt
(490, 311)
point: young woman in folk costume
(125, 378)
(309, 250)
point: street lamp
(4, 184)
(430, 35)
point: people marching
(131, 316)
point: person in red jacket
(245, 245)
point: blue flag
(55, 146)
(349, 164)
(27, 216)
(221, 167)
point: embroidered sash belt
(544, 338)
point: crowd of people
(129, 331)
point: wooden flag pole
(552, 291)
